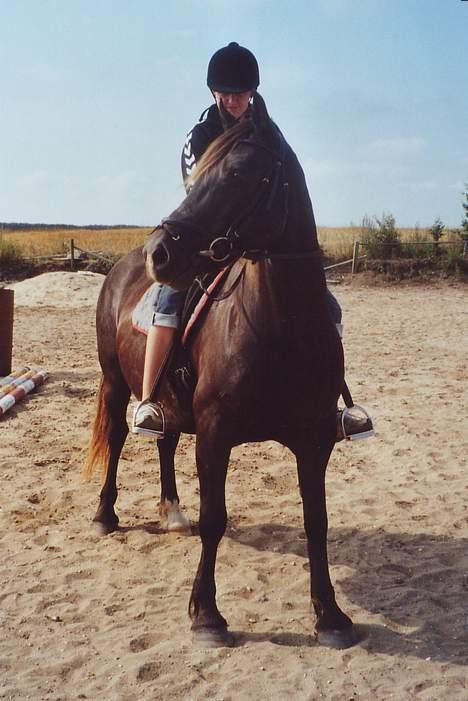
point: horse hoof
(173, 520)
(102, 529)
(213, 637)
(338, 639)
(178, 523)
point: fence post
(6, 329)
(465, 247)
(354, 267)
(72, 254)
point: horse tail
(99, 445)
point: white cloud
(389, 158)
(184, 33)
(421, 186)
(330, 168)
(459, 186)
(45, 73)
(390, 148)
(230, 8)
(119, 182)
(334, 8)
(34, 178)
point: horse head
(237, 203)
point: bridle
(230, 246)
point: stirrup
(146, 430)
(361, 434)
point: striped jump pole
(13, 376)
(15, 382)
(13, 397)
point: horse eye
(235, 173)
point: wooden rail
(354, 260)
(73, 255)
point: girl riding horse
(233, 77)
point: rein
(254, 256)
(224, 295)
(266, 255)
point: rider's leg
(148, 416)
(158, 346)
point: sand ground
(91, 618)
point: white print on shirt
(189, 156)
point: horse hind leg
(109, 434)
(173, 519)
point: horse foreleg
(172, 518)
(113, 401)
(334, 628)
(209, 627)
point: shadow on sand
(418, 582)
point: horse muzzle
(160, 259)
(167, 260)
(157, 255)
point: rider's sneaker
(354, 424)
(148, 418)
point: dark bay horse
(268, 360)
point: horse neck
(296, 286)
(301, 231)
(278, 290)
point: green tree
(465, 209)
(437, 229)
(381, 237)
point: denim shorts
(168, 307)
(333, 307)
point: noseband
(230, 245)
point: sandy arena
(90, 618)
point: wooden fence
(75, 253)
(354, 260)
(357, 255)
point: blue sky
(98, 95)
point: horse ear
(260, 115)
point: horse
(267, 359)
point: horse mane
(219, 149)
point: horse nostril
(160, 257)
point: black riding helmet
(233, 69)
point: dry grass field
(337, 242)
(44, 242)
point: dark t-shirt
(207, 129)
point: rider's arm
(198, 140)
